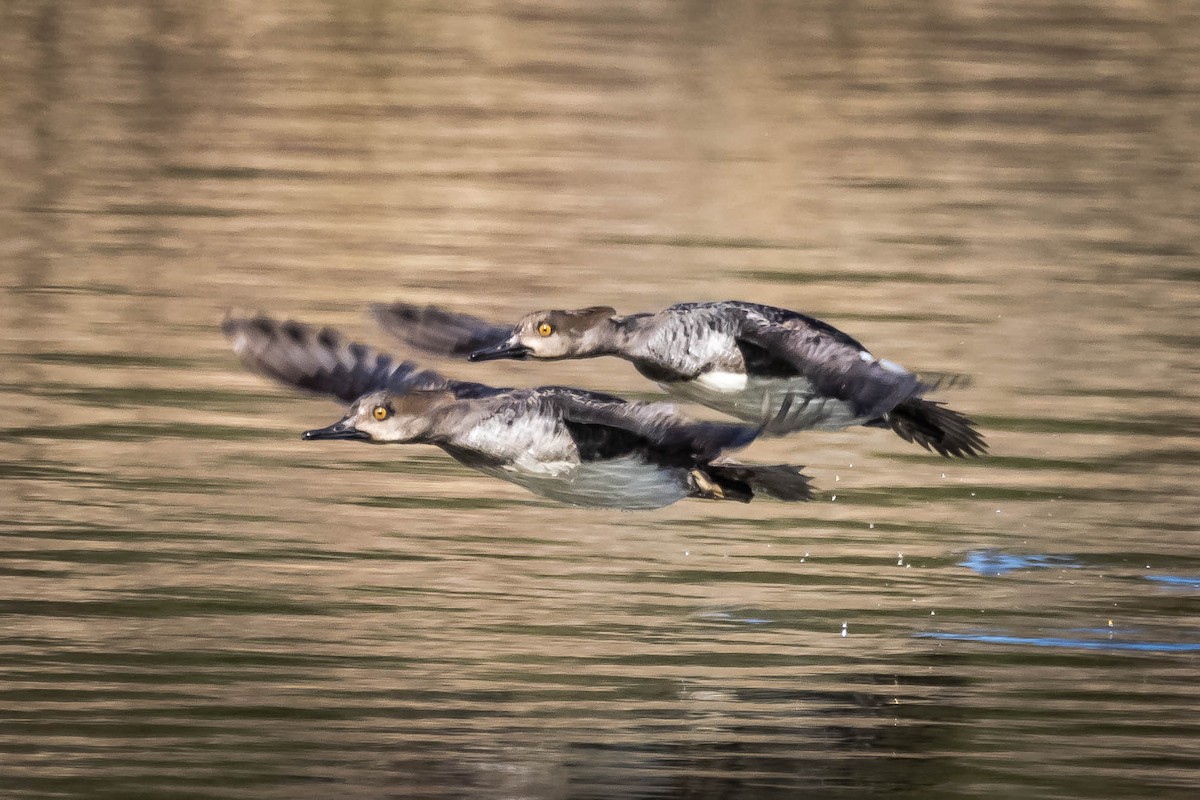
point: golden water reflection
(196, 603)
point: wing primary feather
(658, 424)
(321, 361)
(438, 331)
(833, 365)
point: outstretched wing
(321, 361)
(437, 331)
(613, 426)
(836, 365)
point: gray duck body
(771, 366)
(774, 367)
(575, 446)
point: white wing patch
(720, 381)
(889, 365)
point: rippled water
(195, 603)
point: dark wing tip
(257, 333)
(932, 381)
(937, 428)
(436, 330)
(235, 323)
(323, 361)
(713, 438)
(317, 360)
(785, 482)
(387, 313)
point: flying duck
(571, 445)
(773, 367)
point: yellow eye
(545, 329)
(380, 413)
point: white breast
(533, 442)
(626, 482)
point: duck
(780, 369)
(575, 446)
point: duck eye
(545, 329)
(380, 413)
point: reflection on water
(1070, 642)
(196, 603)
(1178, 581)
(995, 562)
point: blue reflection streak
(1059, 641)
(997, 562)
(1175, 580)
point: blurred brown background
(196, 603)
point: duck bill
(502, 350)
(342, 429)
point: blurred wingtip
(932, 381)
(436, 330)
(386, 313)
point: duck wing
(322, 361)
(608, 427)
(438, 331)
(835, 363)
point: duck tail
(935, 427)
(741, 482)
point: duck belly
(629, 482)
(781, 404)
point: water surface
(195, 603)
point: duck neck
(603, 339)
(445, 423)
(630, 339)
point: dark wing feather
(937, 428)
(789, 318)
(437, 331)
(782, 481)
(658, 424)
(931, 379)
(321, 361)
(831, 360)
